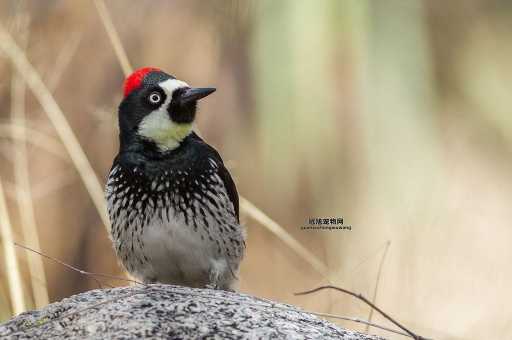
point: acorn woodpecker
(172, 204)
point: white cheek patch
(158, 126)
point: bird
(172, 204)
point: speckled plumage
(173, 206)
(173, 219)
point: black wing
(224, 175)
(230, 187)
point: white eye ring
(154, 98)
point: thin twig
(373, 254)
(377, 281)
(346, 318)
(59, 121)
(10, 258)
(106, 19)
(78, 270)
(368, 302)
(245, 205)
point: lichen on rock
(171, 312)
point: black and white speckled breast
(156, 214)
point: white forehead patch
(170, 85)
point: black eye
(154, 97)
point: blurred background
(393, 115)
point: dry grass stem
(24, 196)
(11, 262)
(106, 19)
(284, 236)
(58, 119)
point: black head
(157, 108)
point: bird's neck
(159, 143)
(141, 149)
(170, 139)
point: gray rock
(170, 312)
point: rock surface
(170, 312)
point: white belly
(177, 254)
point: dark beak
(193, 94)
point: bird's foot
(211, 286)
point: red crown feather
(135, 79)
